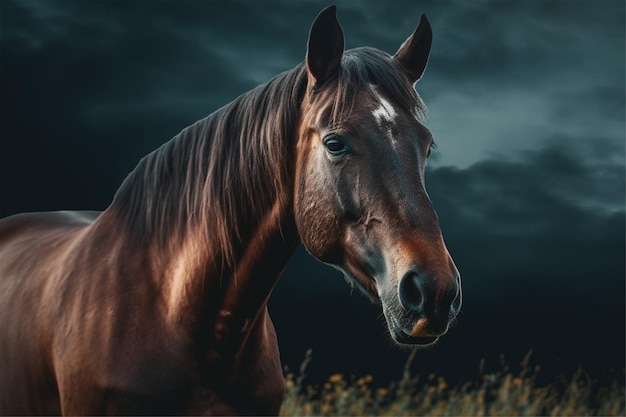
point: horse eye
(430, 149)
(335, 146)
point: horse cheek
(316, 217)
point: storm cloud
(526, 104)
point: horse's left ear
(325, 46)
(414, 52)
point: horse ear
(325, 46)
(414, 52)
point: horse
(158, 304)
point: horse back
(32, 249)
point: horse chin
(401, 338)
(405, 333)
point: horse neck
(218, 251)
(252, 280)
(222, 303)
(215, 305)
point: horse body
(158, 305)
(103, 342)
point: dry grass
(493, 394)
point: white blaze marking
(385, 115)
(385, 112)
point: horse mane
(220, 175)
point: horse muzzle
(427, 305)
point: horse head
(360, 199)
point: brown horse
(158, 305)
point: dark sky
(526, 102)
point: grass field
(492, 394)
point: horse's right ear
(325, 46)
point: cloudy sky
(526, 102)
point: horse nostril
(411, 295)
(456, 304)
